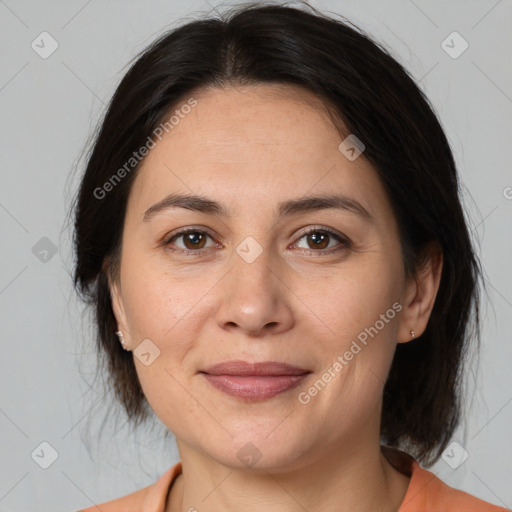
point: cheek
(156, 303)
(169, 311)
(355, 297)
(359, 313)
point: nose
(255, 296)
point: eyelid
(188, 229)
(313, 228)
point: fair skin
(251, 148)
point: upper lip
(246, 368)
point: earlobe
(421, 295)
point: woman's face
(255, 286)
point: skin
(250, 148)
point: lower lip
(255, 387)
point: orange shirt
(426, 493)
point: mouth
(254, 381)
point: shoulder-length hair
(376, 99)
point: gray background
(49, 108)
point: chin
(261, 451)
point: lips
(254, 381)
(264, 368)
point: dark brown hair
(378, 102)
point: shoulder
(427, 492)
(129, 503)
(150, 499)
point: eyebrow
(287, 208)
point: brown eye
(319, 240)
(193, 240)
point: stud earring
(122, 340)
(413, 334)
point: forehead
(270, 142)
(231, 123)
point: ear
(421, 294)
(116, 299)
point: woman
(270, 232)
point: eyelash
(345, 242)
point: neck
(359, 478)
